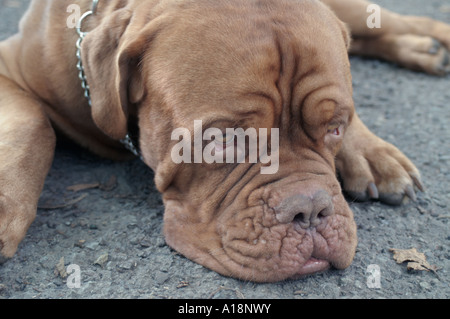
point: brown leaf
(82, 187)
(61, 269)
(67, 204)
(415, 259)
(110, 184)
(183, 284)
(102, 260)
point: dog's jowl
(125, 75)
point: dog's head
(275, 74)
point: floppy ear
(111, 54)
(346, 32)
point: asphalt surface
(113, 232)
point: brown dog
(154, 66)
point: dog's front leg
(372, 168)
(27, 143)
(417, 43)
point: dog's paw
(3, 259)
(434, 58)
(14, 222)
(422, 53)
(424, 47)
(435, 36)
(378, 170)
(416, 52)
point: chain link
(81, 74)
(127, 142)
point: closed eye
(225, 139)
(335, 129)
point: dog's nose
(306, 211)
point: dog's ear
(346, 32)
(111, 54)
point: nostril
(327, 211)
(305, 211)
(303, 220)
(317, 219)
(295, 208)
(298, 218)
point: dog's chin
(250, 246)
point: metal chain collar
(127, 142)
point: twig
(69, 203)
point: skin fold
(155, 66)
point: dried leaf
(183, 284)
(82, 187)
(67, 204)
(239, 294)
(415, 259)
(102, 260)
(61, 268)
(110, 184)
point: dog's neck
(128, 141)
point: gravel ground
(113, 230)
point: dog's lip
(312, 266)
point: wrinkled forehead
(216, 53)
